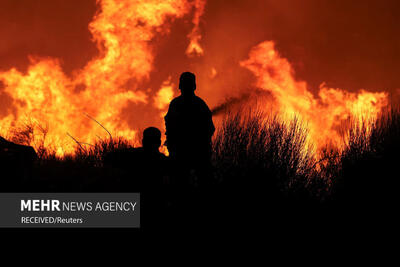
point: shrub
(263, 154)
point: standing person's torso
(189, 123)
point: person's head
(151, 138)
(187, 83)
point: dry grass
(258, 154)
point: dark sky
(349, 44)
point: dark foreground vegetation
(264, 173)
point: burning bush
(264, 155)
(366, 173)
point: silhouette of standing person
(189, 129)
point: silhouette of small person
(143, 166)
(189, 129)
(144, 171)
(148, 159)
(152, 168)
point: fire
(164, 96)
(57, 104)
(122, 31)
(325, 113)
(194, 47)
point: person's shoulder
(198, 98)
(176, 100)
(199, 101)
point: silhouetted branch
(76, 141)
(87, 115)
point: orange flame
(164, 96)
(123, 31)
(325, 113)
(194, 47)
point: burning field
(125, 74)
(302, 92)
